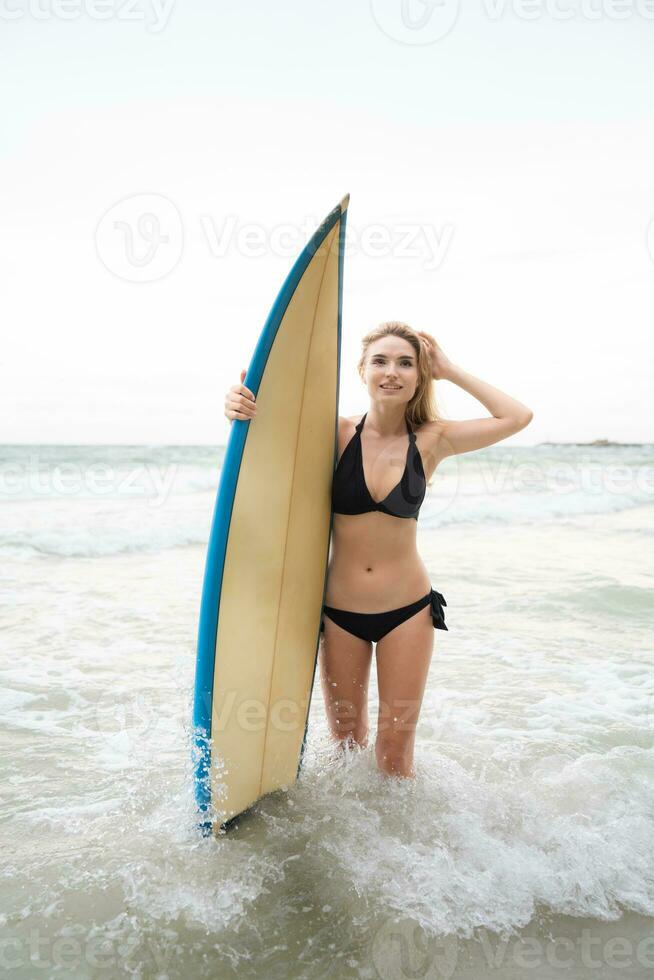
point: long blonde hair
(423, 407)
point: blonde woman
(378, 588)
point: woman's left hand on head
(440, 363)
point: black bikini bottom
(374, 626)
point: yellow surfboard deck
(268, 549)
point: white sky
(518, 154)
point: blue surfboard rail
(219, 531)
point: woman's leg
(403, 658)
(345, 672)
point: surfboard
(268, 548)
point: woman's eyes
(403, 363)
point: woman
(386, 458)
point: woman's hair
(423, 406)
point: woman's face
(391, 369)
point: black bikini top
(350, 495)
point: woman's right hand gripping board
(239, 402)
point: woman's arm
(509, 415)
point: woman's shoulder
(346, 422)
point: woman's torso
(374, 562)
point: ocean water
(525, 847)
